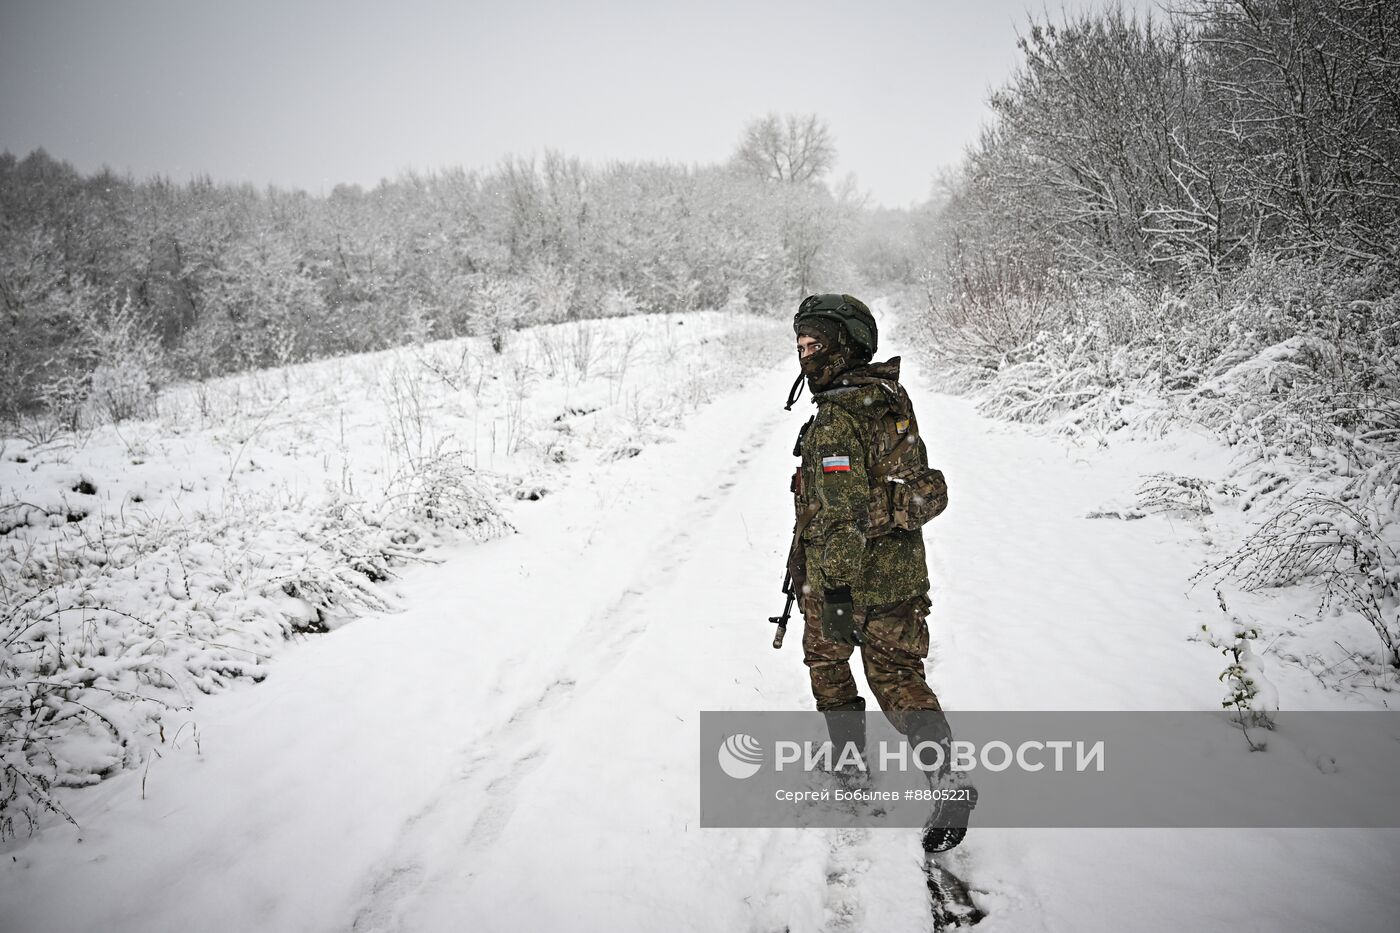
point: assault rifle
(782, 620)
(795, 548)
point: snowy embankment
(1296, 378)
(515, 748)
(147, 563)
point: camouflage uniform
(863, 493)
(886, 572)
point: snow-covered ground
(146, 563)
(514, 748)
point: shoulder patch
(836, 464)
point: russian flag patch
(836, 464)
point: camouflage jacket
(833, 490)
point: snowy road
(516, 749)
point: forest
(114, 287)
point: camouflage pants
(894, 643)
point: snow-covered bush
(549, 293)
(1065, 376)
(1348, 551)
(63, 402)
(441, 491)
(1183, 495)
(122, 392)
(128, 369)
(1248, 691)
(989, 309)
(497, 306)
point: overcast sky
(309, 94)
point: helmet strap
(795, 392)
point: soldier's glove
(839, 616)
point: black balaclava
(835, 357)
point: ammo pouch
(907, 502)
(905, 492)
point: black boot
(947, 824)
(846, 728)
(954, 798)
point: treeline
(1155, 155)
(111, 285)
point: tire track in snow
(483, 793)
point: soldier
(862, 493)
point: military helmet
(848, 312)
